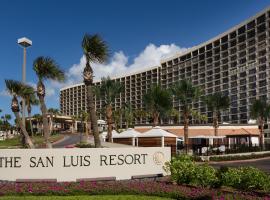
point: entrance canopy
(129, 133)
(157, 132)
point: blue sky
(138, 32)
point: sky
(138, 32)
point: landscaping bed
(94, 197)
(132, 187)
(38, 141)
(239, 157)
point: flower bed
(132, 187)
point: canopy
(129, 133)
(157, 132)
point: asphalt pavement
(263, 164)
(67, 140)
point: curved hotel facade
(235, 62)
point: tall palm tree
(260, 110)
(16, 88)
(46, 68)
(186, 93)
(109, 90)
(95, 50)
(157, 100)
(216, 103)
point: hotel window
(252, 93)
(262, 68)
(243, 74)
(252, 86)
(251, 25)
(243, 95)
(262, 75)
(233, 35)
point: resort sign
(81, 164)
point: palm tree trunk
(109, 121)
(155, 119)
(93, 116)
(25, 134)
(261, 132)
(186, 123)
(215, 123)
(86, 132)
(30, 122)
(46, 130)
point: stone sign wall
(85, 163)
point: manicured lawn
(99, 197)
(38, 140)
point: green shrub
(182, 169)
(253, 178)
(238, 157)
(84, 145)
(205, 176)
(246, 178)
(232, 177)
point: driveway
(263, 164)
(68, 140)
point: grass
(38, 141)
(96, 197)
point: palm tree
(30, 100)
(186, 93)
(46, 68)
(157, 100)
(52, 112)
(260, 110)
(108, 91)
(16, 88)
(216, 103)
(129, 115)
(95, 50)
(117, 118)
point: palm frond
(94, 48)
(47, 68)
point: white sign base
(85, 163)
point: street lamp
(24, 43)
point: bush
(205, 176)
(246, 178)
(238, 157)
(84, 145)
(182, 169)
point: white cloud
(118, 65)
(4, 93)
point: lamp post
(24, 43)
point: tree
(186, 93)
(157, 100)
(217, 103)
(30, 100)
(52, 112)
(129, 115)
(16, 88)
(117, 118)
(46, 68)
(260, 110)
(108, 91)
(95, 50)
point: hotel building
(235, 63)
